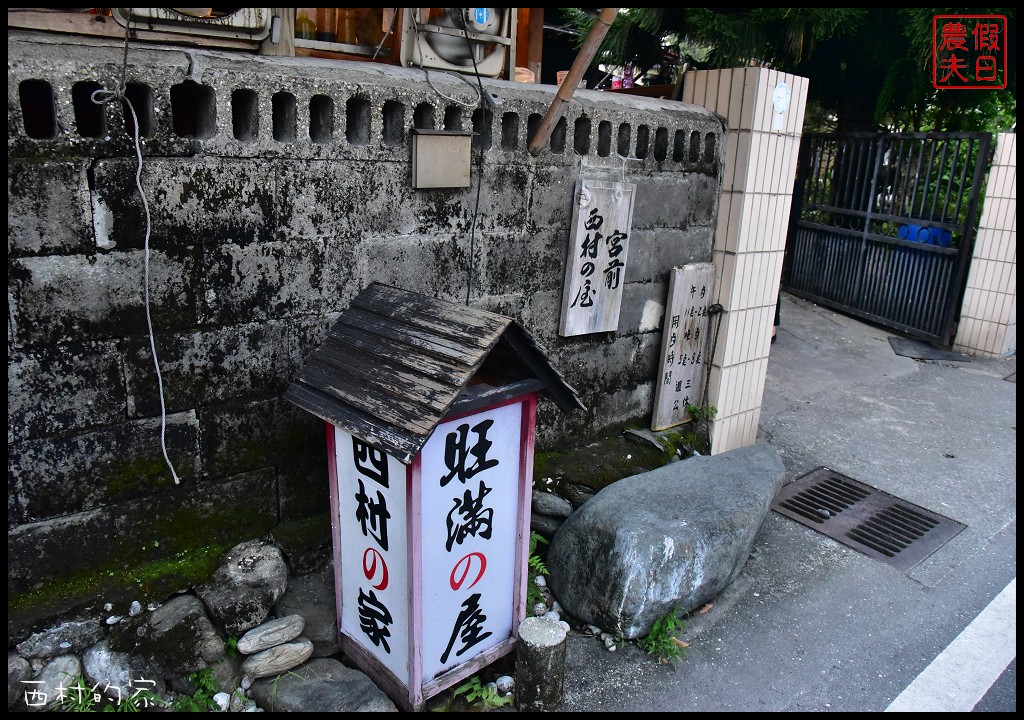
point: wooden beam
(536, 42)
(282, 33)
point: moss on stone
(309, 532)
(187, 527)
(114, 583)
(142, 475)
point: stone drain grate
(864, 518)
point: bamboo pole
(568, 86)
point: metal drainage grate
(874, 522)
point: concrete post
(540, 664)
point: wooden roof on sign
(397, 363)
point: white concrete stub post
(540, 664)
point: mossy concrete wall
(278, 188)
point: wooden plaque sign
(595, 267)
(684, 344)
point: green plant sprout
(537, 567)
(661, 641)
(702, 416)
(202, 699)
(475, 690)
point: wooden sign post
(683, 348)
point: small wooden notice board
(595, 268)
(684, 344)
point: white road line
(962, 673)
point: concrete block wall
(988, 316)
(750, 240)
(277, 188)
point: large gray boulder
(664, 540)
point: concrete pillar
(764, 114)
(988, 317)
(540, 664)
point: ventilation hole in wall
(90, 117)
(509, 131)
(38, 109)
(194, 110)
(625, 134)
(581, 136)
(604, 139)
(679, 146)
(643, 141)
(558, 136)
(661, 144)
(532, 125)
(709, 148)
(245, 115)
(453, 118)
(482, 129)
(423, 117)
(284, 116)
(394, 123)
(321, 119)
(694, 146)
(141, 98)
(357, 121)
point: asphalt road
(813, 625)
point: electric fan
(453, 38)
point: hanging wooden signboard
(684, 344)
(595, 267)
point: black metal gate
(882, 226)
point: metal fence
(883, 225)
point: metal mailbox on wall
(430, 409)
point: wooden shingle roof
(396, 363)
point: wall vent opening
(625, 135)
(661, 144)
(90, 117)
(581, 136)
(357, 121)
(285, 117)
(558, 136)
(194, 110)
(140, 96)
(394, 123)
(321, 119)
(452, 118)
(38, 109)
(643, 141)
(482, 119)
(509, 131)
(245, 115)
(423, 117)
(604, 139)
(694, 146)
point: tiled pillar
(761, 147)
(988, 318)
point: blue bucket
(927, 235)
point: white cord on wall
(102, 97)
